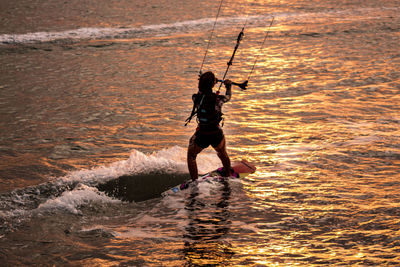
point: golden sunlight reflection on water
(323, 137)
(320, 120)
(319, 140)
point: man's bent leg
(223, 156)
(193, 151)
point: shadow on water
(209, 222)
(141, 187)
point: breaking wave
(83, 187)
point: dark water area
(93, 99)
(137, 188)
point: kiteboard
(241, 169)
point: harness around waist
(209, 130)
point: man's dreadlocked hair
(206, 82)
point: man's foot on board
(224, 173)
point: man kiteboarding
(207, 106)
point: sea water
(92, 91)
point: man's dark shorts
(205, 138)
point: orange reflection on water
(318, 130)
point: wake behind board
(241, 169)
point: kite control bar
(242, 85)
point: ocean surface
(93, 99)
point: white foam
(82, 33)
(71, 200)
(180, 26)
(98, 229)
(100, 33)
(15, 213)
(170, 161)
(122, 32)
